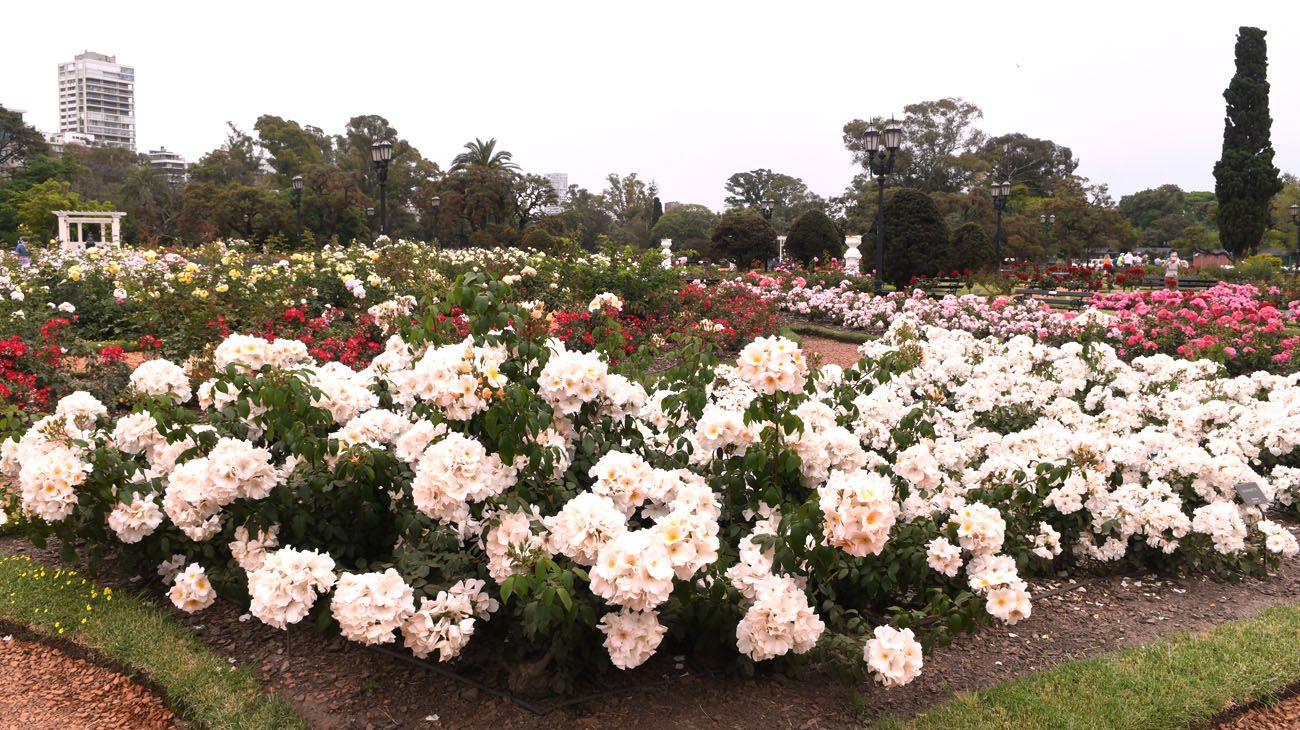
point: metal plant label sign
(1250, 494)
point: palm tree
(483, 154)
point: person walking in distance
(1173, 268)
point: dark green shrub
(916, 238)
(744, 237)
(813, 235)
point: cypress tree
(813, 234)
(1245, 179)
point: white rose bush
(484, 483)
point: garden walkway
(43, 688)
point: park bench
(942, 287)
(1158, 282)
(1059, 299)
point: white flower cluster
(191, 590)
(255, 353)
(198, 489)
(445, 623)
(858, 510)
(391, 314)
(605, 300)
(773, 364)
(454, 472)
(572, 379)
(135, 520)
(371, 606)
(894, 656)
(779, 618)
(161, 378)
(631, 637)
(460, 380)
(284, 589)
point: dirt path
(830, 351)
(1285, 715)
(43, 688)
(337, 684)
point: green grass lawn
(199, 684)
(1170, 685)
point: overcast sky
(685, 93)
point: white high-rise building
(169, 164)
(97, 98)
(560, 184)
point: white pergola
(110, 228)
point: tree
(101, 171)
(688, 225)
(656, 211)
(585, 217)
(483, 154)
(813, 235)
(291, 146)
(916, 238)
(19, 142)
(153, 204)
(630, 201)
(407, 170)
(1245, 179)
(37, 205)
(1158, 214)
(1035, 163)
(789, 195)
(972, 247)
(744, 237)
(237, 161)
(940, 144)
(531, 194)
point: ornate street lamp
(435, 206)
(766, 207)
(297, 204)
(1047, 221)
(381, 153)
(880, 162)
(1001, 193)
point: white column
(780, 249)
(852, 257)
(666, 246)
(117, 231)
(63, 233)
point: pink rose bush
(496, 488)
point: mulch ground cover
(338, 684)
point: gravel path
(43, 688)
(830, 351)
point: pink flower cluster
(1234, 324)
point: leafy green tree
(585, 217)
(1245, 179)
(744, 237)
(813, 235)
(630, 201)
(19, 142)
(916, 238)
(38, 203)
(483, 154)
(36, 171)
(291, 146)
(941, 144)
(236, 161)
(688, 225)
(153, 204)
(232, 210)
(407, 171)
(1038, 164)
(972, 247)
(656, 212)
(789, 195)
(101, 171)
(530, 195)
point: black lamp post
(435, 206)
(880, 161)
(766, 207)
(1001, 192)
(1046, 221)
(297, 204)
(1295, 219)
(381, 153)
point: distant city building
(670, 205)
(168, 164)
(59, 140)
(97, 98)
(560, 184)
